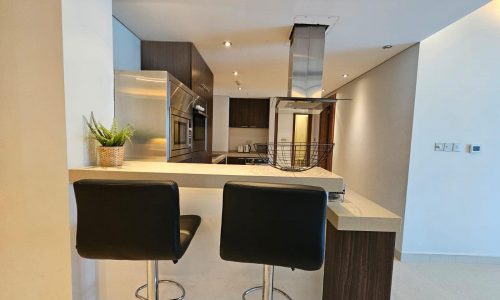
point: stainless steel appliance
(160, 107)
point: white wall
(453, 199)
(34, 224)
(373, 131)
(220, 136)
(126, 48)
(247, 136)
(88, 79)
(88, 70)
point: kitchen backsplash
(242, 136)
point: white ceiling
(259, 30)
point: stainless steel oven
(181, 121)
(180, 135)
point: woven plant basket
(111, 156)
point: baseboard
(397, 254)
(446, 258)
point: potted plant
(111, 151)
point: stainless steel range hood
(307, 51)
(305, 73)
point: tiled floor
(411, 281)
(445, 281)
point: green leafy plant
(113, 137)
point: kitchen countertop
(239, 154)
(356, 213)
(208, 175)
(218, 159)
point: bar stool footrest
(179, 286)
(260, 287)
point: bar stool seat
(133, 220)
(188, 226)
(274, 225)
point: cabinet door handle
(244, 126)
(253, 126)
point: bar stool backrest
(127, 220)
(274, 224)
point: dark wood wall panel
(358, 265)
(174, 57)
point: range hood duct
(307, 51)
(305, 72)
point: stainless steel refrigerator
(169, 119)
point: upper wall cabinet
(249, 113)
(174, 57)
(182, 60)
(202, 79)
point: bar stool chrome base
(181, 288)
(153, 283)
(250, 290)
(268, 286)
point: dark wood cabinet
(201, 75)
(174, 57)
(233, 160)
(236, 160)
(249, 113)
(184, 62)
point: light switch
(448, 147)
(457, 147)
(438, 147)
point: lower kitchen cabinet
(201, 157)
(236, 160)
(246, 161)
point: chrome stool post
(152, 275)
(153, 283)
(267, 287)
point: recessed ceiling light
(240, 88)
(345, 75)
(387, 47)
(323, 90)
(235, 73)
(227, 44)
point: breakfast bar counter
(359, 241)
(209, 175)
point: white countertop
(356, 213)
(243, 154)
(209, 175)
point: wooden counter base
(358, 265)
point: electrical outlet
(438, 147)
(474, 148)
(457, 147)
(448, 147)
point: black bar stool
(133, 220)
(274, 225)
